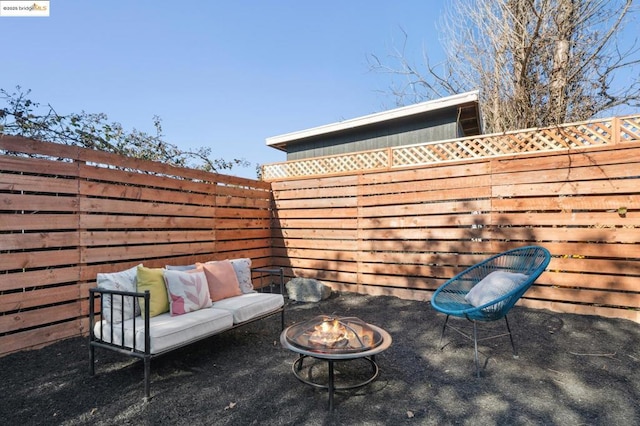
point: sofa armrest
(277, 271)
(102, 295)
(95, 293)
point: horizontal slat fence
(67, 213)
(404, 232)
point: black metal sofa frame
(143, 353)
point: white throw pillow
(494, 285)
(188, 291)
(120, 281)
(242, 267)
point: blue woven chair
(476, 295)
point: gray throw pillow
(180, 267)
(121, 281)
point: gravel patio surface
(572, 370)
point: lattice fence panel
(366, 160)
(570, 136)
(630, 128)
(539, 140)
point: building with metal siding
(441, 119)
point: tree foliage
(21, 116)
(536, 62)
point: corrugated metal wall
(416, 129)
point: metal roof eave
(281, 141)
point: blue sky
(221, 74)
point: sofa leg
(147, 378)
(92, 358)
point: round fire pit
(335, 339)
(334, 335)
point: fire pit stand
(334, 339)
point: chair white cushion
(493, 286)
(250, 305)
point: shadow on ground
(572, 370)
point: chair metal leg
(444, 327)
(513, 346)
(475, 347)
(475, 339)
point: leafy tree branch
(21, 116)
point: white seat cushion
(250, 305)
(166, 331)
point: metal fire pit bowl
(342, 335)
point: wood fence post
(615, 130)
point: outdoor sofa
(146, 312)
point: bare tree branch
(536, 62)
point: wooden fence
(404, 232)
(67, 213)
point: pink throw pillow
(222, 279)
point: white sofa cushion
(250, 305)
(168, 331)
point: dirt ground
(571, 370)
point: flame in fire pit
(333, 334)
(329, 334)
